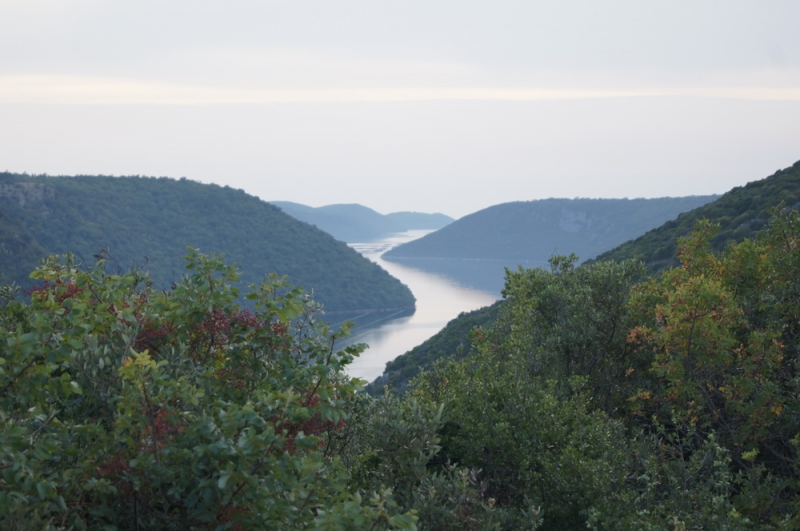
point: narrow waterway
(439, 300)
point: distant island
(476, 249)
(354, 223)
(149, 222)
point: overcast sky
(446, 106)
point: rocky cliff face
(28, 195)
(573, 221)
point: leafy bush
(395, 441)
(668, 404)
(124, 407)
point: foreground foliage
(612, 403)
(599, 399)
(128, 408)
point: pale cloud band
(68, 90)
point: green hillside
(535, 230)
(741, 213)
(355, 223)
(477, 248)
(150, 221)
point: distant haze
(354, 223)
(446, 106)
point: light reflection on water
(439, 300)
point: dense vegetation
(593, 397)
(128, 407)
(528, 233)
(356, 223)
(599, 399)
(741, 213)
(614, 403)
(150, 222)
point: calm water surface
(439, 300)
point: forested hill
(741, 213)
(356, 223)
(151, 221)
(535, 230)
(476, 248)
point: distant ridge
(476, 248)
(741, 213)
(151, 221)
(354, 223)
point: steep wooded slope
(741, 213)
(150, 222)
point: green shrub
(124, 407)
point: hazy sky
(446, 106)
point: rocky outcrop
(28, 195)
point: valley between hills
(643, 375)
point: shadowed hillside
(149, 222)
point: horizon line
(63, 90)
